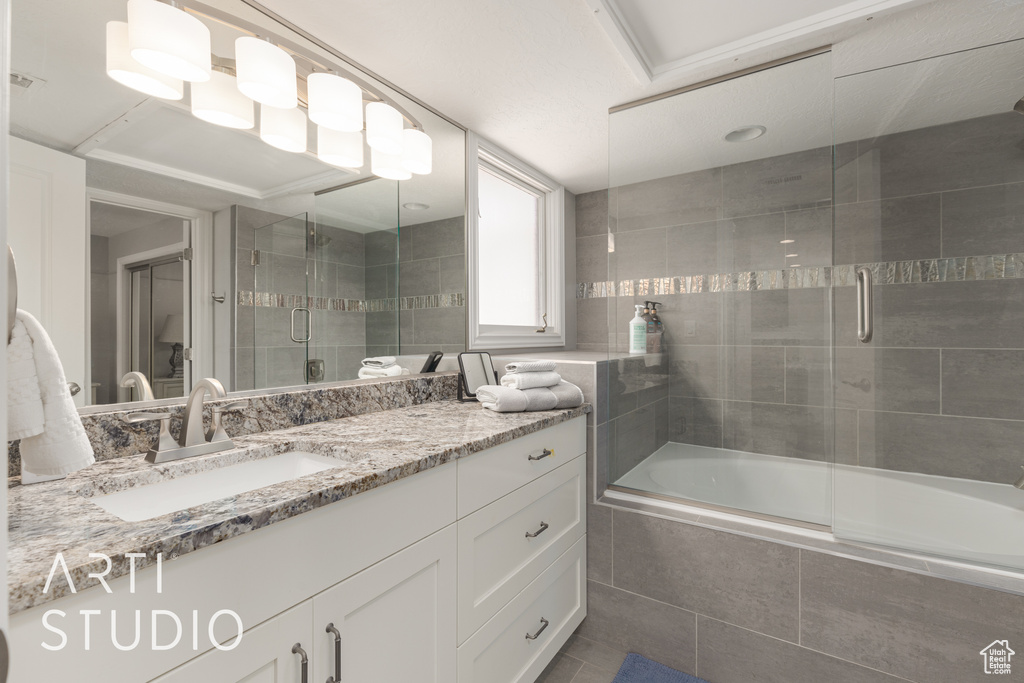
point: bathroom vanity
(447, 545)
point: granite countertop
(372, 450)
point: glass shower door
(283, 319)
(929, 178)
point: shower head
(1019, 107)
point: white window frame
(552, 196)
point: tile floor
(583, 661)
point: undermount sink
(152, 500)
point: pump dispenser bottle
(638, 332)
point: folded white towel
(62, 446)
(567, 395)
(531, 366)
(379, 362)
(376, 373)
(531, 380)
(507, 400)
(24, 404)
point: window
(516, 249)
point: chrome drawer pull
(543, 625)
(538, 532)
(544, 454)
(304, 661)
(336, 678)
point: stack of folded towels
(532, 385)
(381, 366)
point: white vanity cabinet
(264, 654)
(470, 572)
(395, 621)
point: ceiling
(537, 77)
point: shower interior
(765, 399)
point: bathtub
(956, 518)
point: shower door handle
(865, 308)
(309, 328)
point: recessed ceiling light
(416, 206)
(745, 133)
(786, 241)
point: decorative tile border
(323, 303)
(997, 267)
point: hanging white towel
(531, 380)
(24, 404)
(379, 362)
(531, 366)
(376, 373)
(61, 447)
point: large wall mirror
(151, 240)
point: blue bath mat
(637, 669)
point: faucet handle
(164, 441)
(216, 432)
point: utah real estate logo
(997, 657)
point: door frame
(199, 326)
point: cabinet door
(396, 620)
(264, 655)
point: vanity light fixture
(265, 73)
(417, 151)
(165, 38)
(786, 241)
(219, 101)
(792, 255)
(283, 128)
(335, 102)
(388, 166)
(126, 71)
(745, 133)
(339, 148)
(384, 126)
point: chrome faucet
(192, 440)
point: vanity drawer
(500, 652)
(490, 474)
(497, 558)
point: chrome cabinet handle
(538, 532)
(309, 330)
(865, 311)
(297, 650)
(336, 678)
(546, 452)
(543, 625)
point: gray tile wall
(431, 259)
(937, 391)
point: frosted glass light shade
(168, 40)
(388, 166)
(219, 101)
(335, 102)
(265, 73)
(417, 151)
(384, 126)
(126, 71)
(339, 148)
(283, 128)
